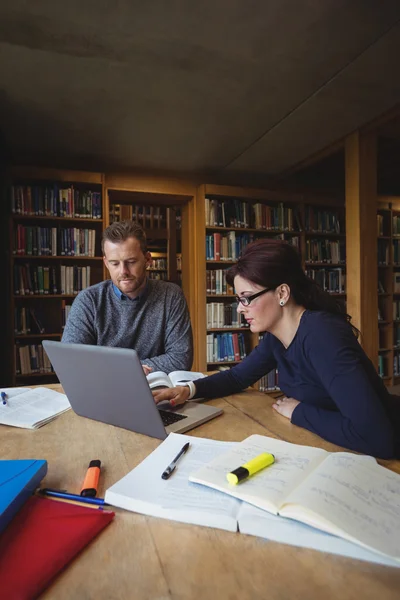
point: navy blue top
(342, 397)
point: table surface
(147, 558)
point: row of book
(396, 364)
(55, 200)
(159, 263)
(30, 359)
(396, 252)
(382, 365)
(382, 224)
(65, 310)
(330, 280)
(396, 282)
(26, 320)
(54, 241)
(148, 216)
(270, 382)
(396, 335)
(225, 347)
(224, 314)
(39, 279)
(383, 252)
(396, 225)
(234, 212)
(322, 221)
(328, 251)
(396, 310)
(227, 246)
(216, 282)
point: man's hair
(120, 231)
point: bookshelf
(388, 231)
(228, 218)
(161, 219)
(55, 225)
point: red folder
(41, 540)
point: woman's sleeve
(360, 422)
(259, 362)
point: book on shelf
(143, 491)
(159, 379)
(55, 200)
(223, 347)
(242, 213)
(343, 494)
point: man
(132, 311)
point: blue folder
(18, 481)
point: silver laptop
(109, 385)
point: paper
(143, 490)
(356, 499)
(160, 379)
(261, 523)
(270, 486)
(31, 408)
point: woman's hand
(176, 396)
(285, 406)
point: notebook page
(143, 491)
(32, 408)
(182, 377)
(261, 523)
(268, 488)
(355, 498)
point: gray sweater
(156, 325)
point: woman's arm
(361, 422)
(251, 369)
(259, 362)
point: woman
(330, 385)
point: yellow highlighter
(250, 468)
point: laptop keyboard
(168, 417)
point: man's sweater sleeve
(79, 328)
(178, 339)
(259, 362)
(360, 422)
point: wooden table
(138, 557)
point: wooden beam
(361, 238)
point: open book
(343, 494)
(31, 408)
(158, 379)
(144, 491)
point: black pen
(171, 468)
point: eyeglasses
(246, 300)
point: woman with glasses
(330, 386)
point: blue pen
(4, 397)
(60, 494)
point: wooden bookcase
(162, 224)
(310, 223)
(389, 288)
(53, 253)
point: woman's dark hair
(269, 263)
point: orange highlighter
(89, 487)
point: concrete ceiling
(222, 88)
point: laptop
(109, 385)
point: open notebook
(144, 491)
(343, 494)
(31, 408)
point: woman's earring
(281, 303)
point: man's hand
(176, 396)
(147, 369)
(285, 406)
